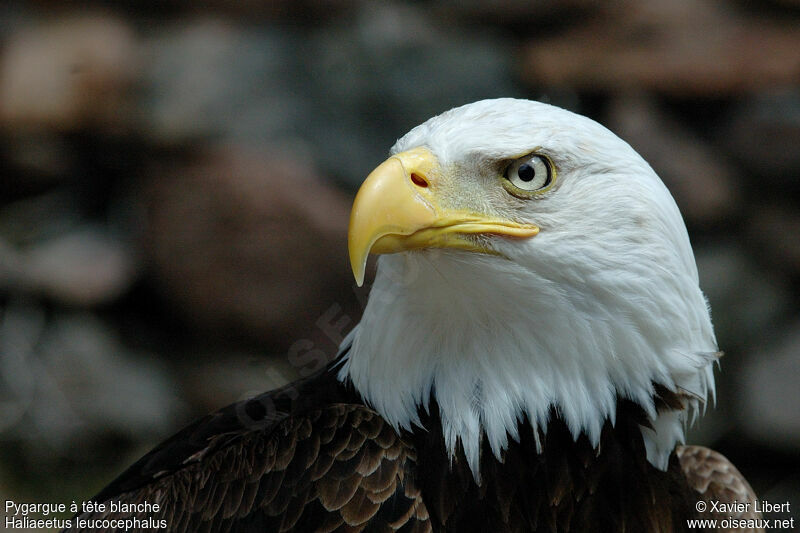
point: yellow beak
(398, 208)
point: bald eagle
(533, 345)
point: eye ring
(529, 175)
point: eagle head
(531, 262)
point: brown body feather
(312, 457)
(716, 480)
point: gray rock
(763, 133)
(38, 218)
(67, 379)
(769, 406)
(516, 12)
(83, 267)
(39, 158)
(704, 185)
(390, 69)
(66, 73)
(223, 378)
(745, 303)
(208, 78)
(682, 47)
(774, 233)
(341, 93)
(47, 250)
(247, 241)
(104, 383)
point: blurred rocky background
(175, 184)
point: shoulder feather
(715, 479)
(307, 457)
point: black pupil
(526, 172)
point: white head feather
(601, 304)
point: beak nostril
(418, 180)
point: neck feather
(513, 348)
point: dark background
(175, 185)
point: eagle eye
(528, 174)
